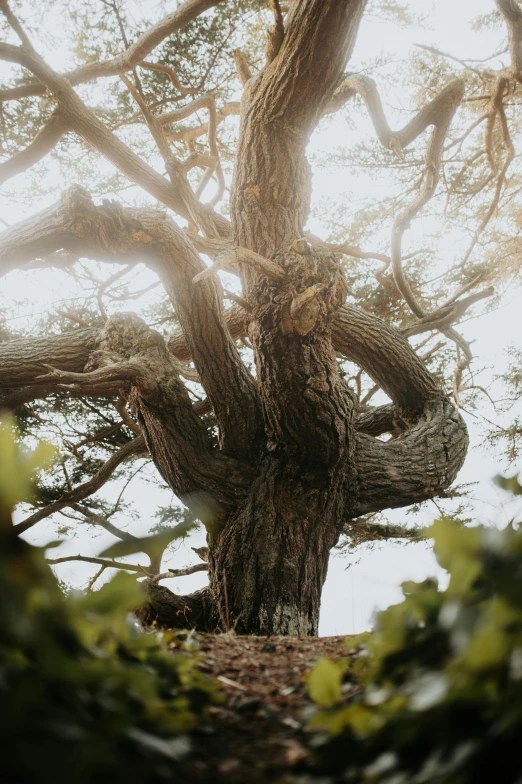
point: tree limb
(438, 113)
(134, 447)
(190, 134)
(512, 14)
(177, 195)
(180, 572)
(98, 519)
(380, 349)
(447, 315)
(166, 69)
(242, 67)
(408, 469)
(125, 61)
(45, 140)
(113, 234)
(105, 562)
(22, 359)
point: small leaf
(510, 484)
(18, 467)
(325, 682)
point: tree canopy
(284, 371)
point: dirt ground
(258, 734)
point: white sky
(373, 581)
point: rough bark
(268, 564)
(165, 608)
(22, 360)
(208, 481)
(417, 465)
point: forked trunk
(310, 471)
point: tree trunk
(269, 563)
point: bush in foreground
(85, 695)
(440, 677)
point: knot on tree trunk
(308, 410)
(312, 289)
(126, 334)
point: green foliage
(439, 678)
(326, 682)
(85, 694)
(18, 467)
(511, 484)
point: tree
(277, 461)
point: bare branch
(15, 24)
(105, 562)
(125, 61)
(201, 567)
(463, 63)
(190, 134)
(498, 110)
(45, 140)
(446, 316)
(155, 126)
(94, 578)
(166, 69)
(362, 531)
(125, 370)
(103, 522)
(121, 408)
(176, 195)
(438, 113)
(235, 255)
(133, 448)
(107, 284)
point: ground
(258, 734)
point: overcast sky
(372, 581)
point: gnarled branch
(45, 140)
(113, 234)
(176, 195)
(438, 113)
(125, 61)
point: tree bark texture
(295, 458)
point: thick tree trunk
(269, 563)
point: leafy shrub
(85, 696)
(440, 677)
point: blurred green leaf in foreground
(438, 683)
(85, 695)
